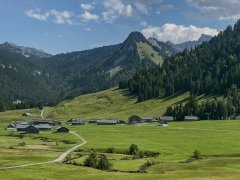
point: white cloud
(177, 33)
(87, 16)
(216, 9)
(61, 17)
(115, 9)
(87, 7)
(37, 15)
(141, 7)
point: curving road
(58, 160)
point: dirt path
(58, 160)
(42, 114)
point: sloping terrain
(112, 103)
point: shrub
(20, 136)
(110, 150)
(103, 163)
(91, 160)
(143, 168)
(133, 149)
(22, 144)
(68, 142)
(196, 154)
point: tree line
(224, 107)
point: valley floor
(218, 141)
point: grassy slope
(144, 50)
(113, 103)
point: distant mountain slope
(165, 49)
(189, 44)
(31, 75)
(101, 68)
(29, 53)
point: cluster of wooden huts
(95, 121)
(35, 126)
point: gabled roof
(147, 118)
(190, 118)
(107, 121)
(76, 120)
(167, 118)
(62, 127)
(22, 126)
(43, 126)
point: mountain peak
(204, 37)
(134, 37)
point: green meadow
(218, 142)
(113, 103)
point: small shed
(31, 130)
(62, 129)
(191, 118)
(107, 122)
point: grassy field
(218, 141)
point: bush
(103, 163)
(110, 150)
(22, 144)
(196, 154)
(21, 136)
(133, 149)
(143, 168)
(68, 142)
(91, 160)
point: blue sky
(59, 26)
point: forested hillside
(35, 77)
(212, 68)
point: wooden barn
(107, 122)
(50, 122)
(11, 126)
(21, 127)
(147, 120)
(167, 118)
(43, 127)
(31, 130)
(76, 122)
(62, 129)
